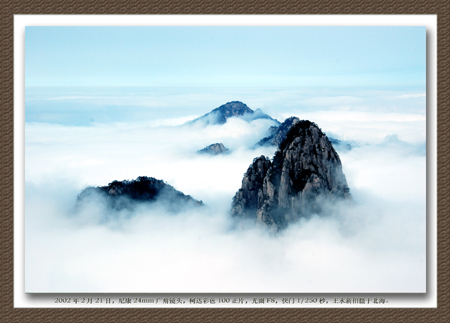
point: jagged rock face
(232, 109)
(214, 149)
(278, 133)
(305, 173)
(249, 197)
(125, 194)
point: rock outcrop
(303, 176)
(126, 194)
(232, 109)
(214, 149)
(278, 133)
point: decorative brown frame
(11, 314)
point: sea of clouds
(376, 245)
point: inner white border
(20, 21)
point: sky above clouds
(109, 103)
(225, 56)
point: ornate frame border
(11, 314)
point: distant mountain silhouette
(214, 149)
(127, 194)
(232, 109)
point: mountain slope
(232, 109)
(303, 176)
(278, 133)
(127, 194)
(214, 149)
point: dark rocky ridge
(232, 109)
(119, 194)
(278, 133)
(305, 173)
(214, 149)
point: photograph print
(225, 159)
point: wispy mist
(375, 245)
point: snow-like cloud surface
(376, 245)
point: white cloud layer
(377, 245)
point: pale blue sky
(226, 56)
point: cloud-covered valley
(376, 245)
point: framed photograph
(137, 139)
(260, 162)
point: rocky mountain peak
(278, 133)
(231, 109)
(214, 149)
(126, 194)
(304, 174)
(238, 109)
